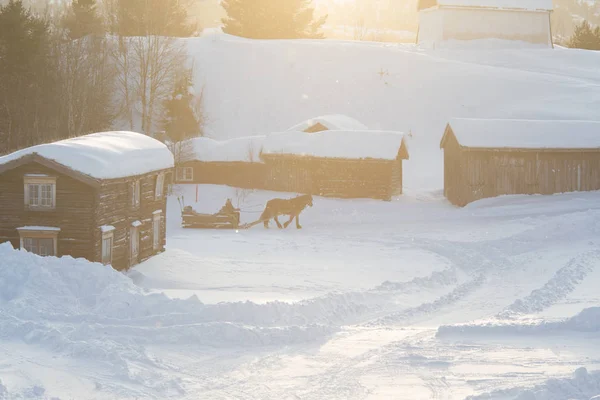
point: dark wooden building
(234, 162)
(343, 164)
(99, 197)
(489, 158)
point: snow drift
(583, 385)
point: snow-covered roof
(334, 122)
(505, 4)
(383, 145)
(39, 228)
(105, 155)
(524, 134)
(244, 149)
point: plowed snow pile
(89, 309)
(583, 385)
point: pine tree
(585, 37)
(152, 17)
(183, 119)
(272, 19)
(83, 20)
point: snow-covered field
(408, 299)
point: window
(156, 230)
(40, 192)
(160, 182)
(185, 174)
(39, 240)
(135, 194)
(134, 243)
(107, 247)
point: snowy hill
(258, 87)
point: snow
(350, 306)
(243, 149)
(157, 212)
(333, 122)
(526, 134)
(383, 145)
(105, 155)
(508, 4)
(135, 224)
(39, 228)
(107, 228)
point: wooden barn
(99, 197)
(234, 162)
(343, 164)
(487, 158)
(332, 122)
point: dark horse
(292, 207)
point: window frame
(183, 176)
(106, 236)
(156, 221)
(159, 189)
(30, 233)
(134, 232)
(38, 181)
(135, 188)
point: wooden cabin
(343, 164)
(332, 122)
(234, 162)
(99, 197)
(488, 158)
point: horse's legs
(298, 222)
(278, 223)
(266, 223)
(289, 221)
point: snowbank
(90, 310)
(244, 149)
(526, 134)
(383, 145)
(105, 155)
(583, 385)
(333, 122)
(587, 321)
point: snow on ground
(351, 306)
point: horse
(292, 207)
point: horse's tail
(266, 214)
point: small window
(156, 231)
(134, 244)
(135, 194)
(160, 183)
(40, 192)
(39, 240)
(185, 174)
(107, 247)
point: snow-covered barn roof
(333, 122)
(382, 145)
(105, 155)
(523, 134)
(243, 149)
(503, 4)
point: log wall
(73, 213)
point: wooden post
(196, 193)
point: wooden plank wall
(73, 213)
(495, 173)
(114, 208)
(237, 174)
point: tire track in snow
(564, 281)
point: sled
(193, 219)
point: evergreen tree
(183, 119)
(152, 17)
(83, 20)
(272, 19)
(28, 83)
(585, 37)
